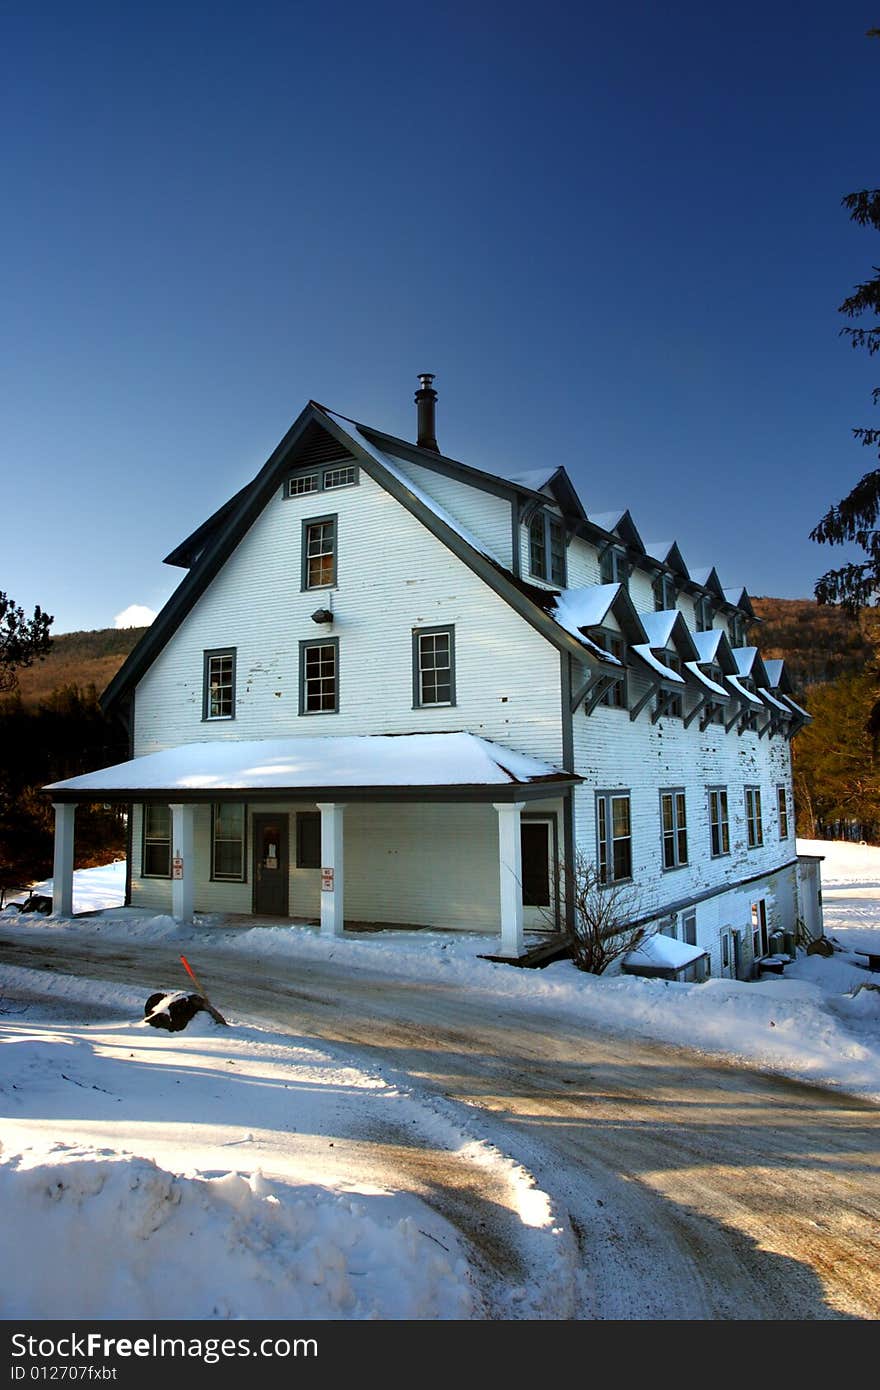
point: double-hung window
(612, 642)
(782, 807)
(308, 839)
(703, 613)
(614, 836)
(319, 676)
(319, 552)
(228, 819)
(547, 548)
(664, 593)
(719, 824)
(673, 820)
(754, 824)
(156, 853)
(218, 699)
(433, 666)
(614, 568)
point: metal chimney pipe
(426, 399)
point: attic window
(737, 629)
(325, 480)
(306, 482)
(547, 548)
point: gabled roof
(778, 676)
(738, 597)
(714, 645)
(579, 610)
(654, 663)
(708, 579)
(219, 537)
(669, 627)
(750, 663)
(620, 524)
(669, 554)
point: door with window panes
(539, 873)
(270, 865)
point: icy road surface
(692, 1189)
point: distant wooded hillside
(81, 659)
(817, 643)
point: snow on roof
(663, 952)
(658, 626)
(772, 701)
(798, 709)
(658, 550)
(606, 521)
(706, 643)
(744, 658)
(774, 667)
(701, 676)
(577, 608)
(645, 653)
(701, 576)
(425, 498)
(740, 690)
(734, 595)
(364, 760)
(532, 478)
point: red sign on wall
(326, 880)
(177, 867)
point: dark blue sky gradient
(614, 232)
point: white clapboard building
(394, 688)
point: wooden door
(270, 865)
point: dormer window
(704, 612)
(664, 593)
(672, 709)
(737, 629)
(547, 548)
(613, 643)
(614, 568)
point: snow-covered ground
(123, 1145)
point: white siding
(614, 753)
(487, 517)
(417, 864)
(393, 576)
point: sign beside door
(326, 880)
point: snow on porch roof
(384, 761)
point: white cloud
(135, 615)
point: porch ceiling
(370, 767)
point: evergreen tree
(22, 640)
(854, 519)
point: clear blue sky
(614, 232)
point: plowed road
(694, 1190)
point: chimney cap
(426, 378)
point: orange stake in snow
(215, 1013)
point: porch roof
(357, 767)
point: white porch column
(62, 873)
(332, 869)
(510, 858)
(183, 861)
